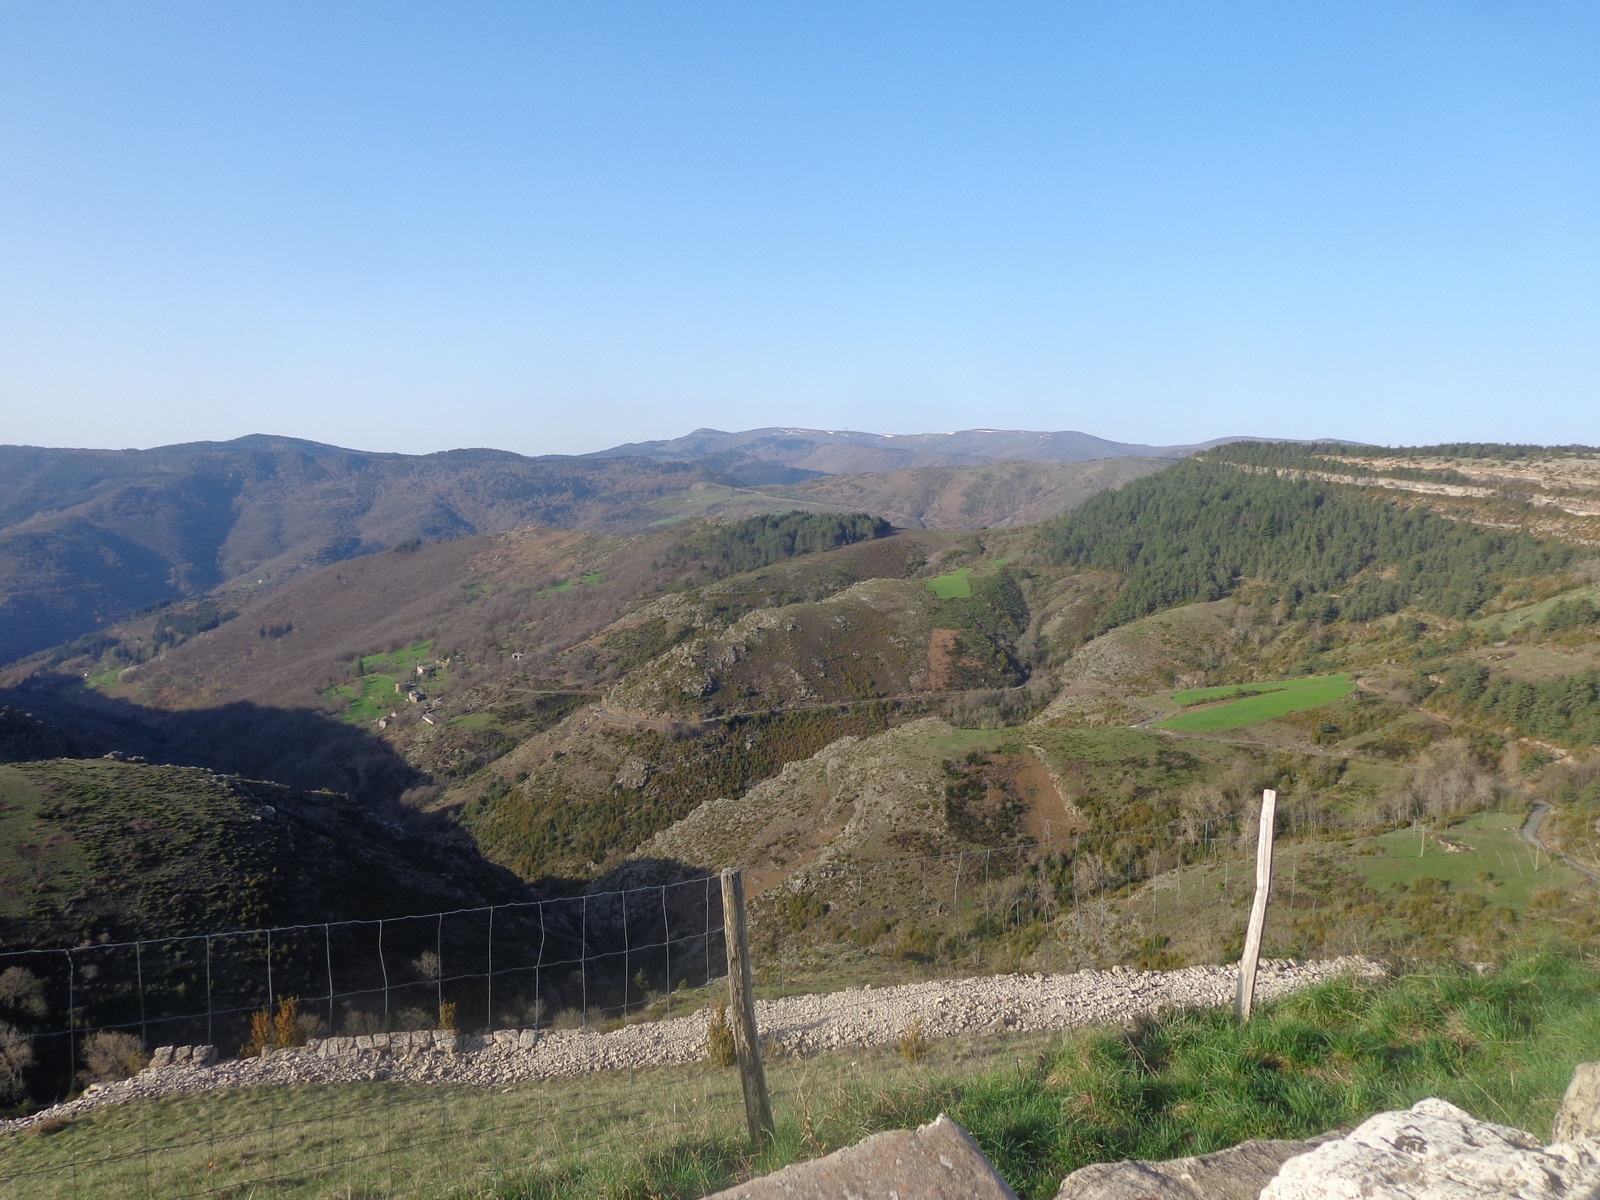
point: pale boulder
(939, 1161)
(1579, 1118)
(1237, 1173)
(1435, 1151)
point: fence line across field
(243, 972)
(570, 962)
(973, 875)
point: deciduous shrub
(16, 1056)
(913, 1043)
(109, 1055)
(276, 1031)
(719, 1037)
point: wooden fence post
(757, 1103)
(1258, 908)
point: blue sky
(552, 228)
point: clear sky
(554, 227)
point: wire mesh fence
(359, 1057)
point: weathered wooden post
(1258, 908)
(746, 1043)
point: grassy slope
(1285, 698)
(1483, 855)
(97, 846)
(1502, 1047)
(954, 586)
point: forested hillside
(1196, 532)
(721, 550)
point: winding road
(1530, 834)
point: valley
(937, 753)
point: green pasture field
(954, 586)
(957, 584)
(372, 694)
(589, 580)
(1205, 695)
(475, 720)
(396, 661)
(1287, 696)
(1496, 863)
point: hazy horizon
(905, 433)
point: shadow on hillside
(300, 747)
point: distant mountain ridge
(89, 536)
(851, 452)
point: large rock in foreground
(1435, 1151)
(939, 1161)
(1238, 1173)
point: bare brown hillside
(990, 496)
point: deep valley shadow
(300, 747)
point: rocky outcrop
(1431, 1151)
(939, 1161)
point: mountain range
(88, 537)
(763, 455)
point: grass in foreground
(1284, 697)
(1502, 1047)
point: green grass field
(475, 720)
(1495, 862)
(1286, 696)
(954, 586)
(589, 580)
(1040, 1105)
(957, 585)
(372, 694)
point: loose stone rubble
(795, 1025)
